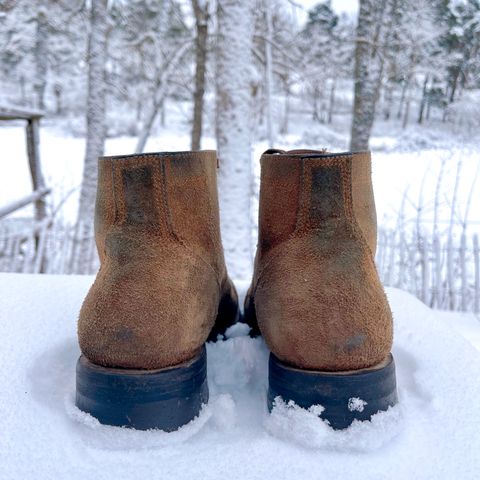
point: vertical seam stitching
(168, 216)
(347, 187)
(114, 194)
(300, 203)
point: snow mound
(220, 412)
(291, 423)
(432, 434)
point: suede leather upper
(162, 283)
(316, 294)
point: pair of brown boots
(162, 289)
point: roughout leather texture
(316, 294)
(162, 287)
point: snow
(465, 323)
(304, 428)
(356, 404)
(432, 434)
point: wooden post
(38, 181)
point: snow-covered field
(432, 434)
(403, 161)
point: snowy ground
(432, 434)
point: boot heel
(143, 399)
(346, 397)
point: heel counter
(329, 312)
(148, 309)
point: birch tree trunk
(201, 22)
(96, 129)
(368, 69)
(233, 131)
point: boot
(161, 291)
(316, 297)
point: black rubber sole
(162, 399)
(345, 396)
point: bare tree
(149, 41)
(200, 9)
(96, 129)
(373, 30)
(159, 95)
(269, 73)
(424, 99)
(233, 129)
(41, 55)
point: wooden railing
(23, 202)
(32, 128)
(442, 271)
